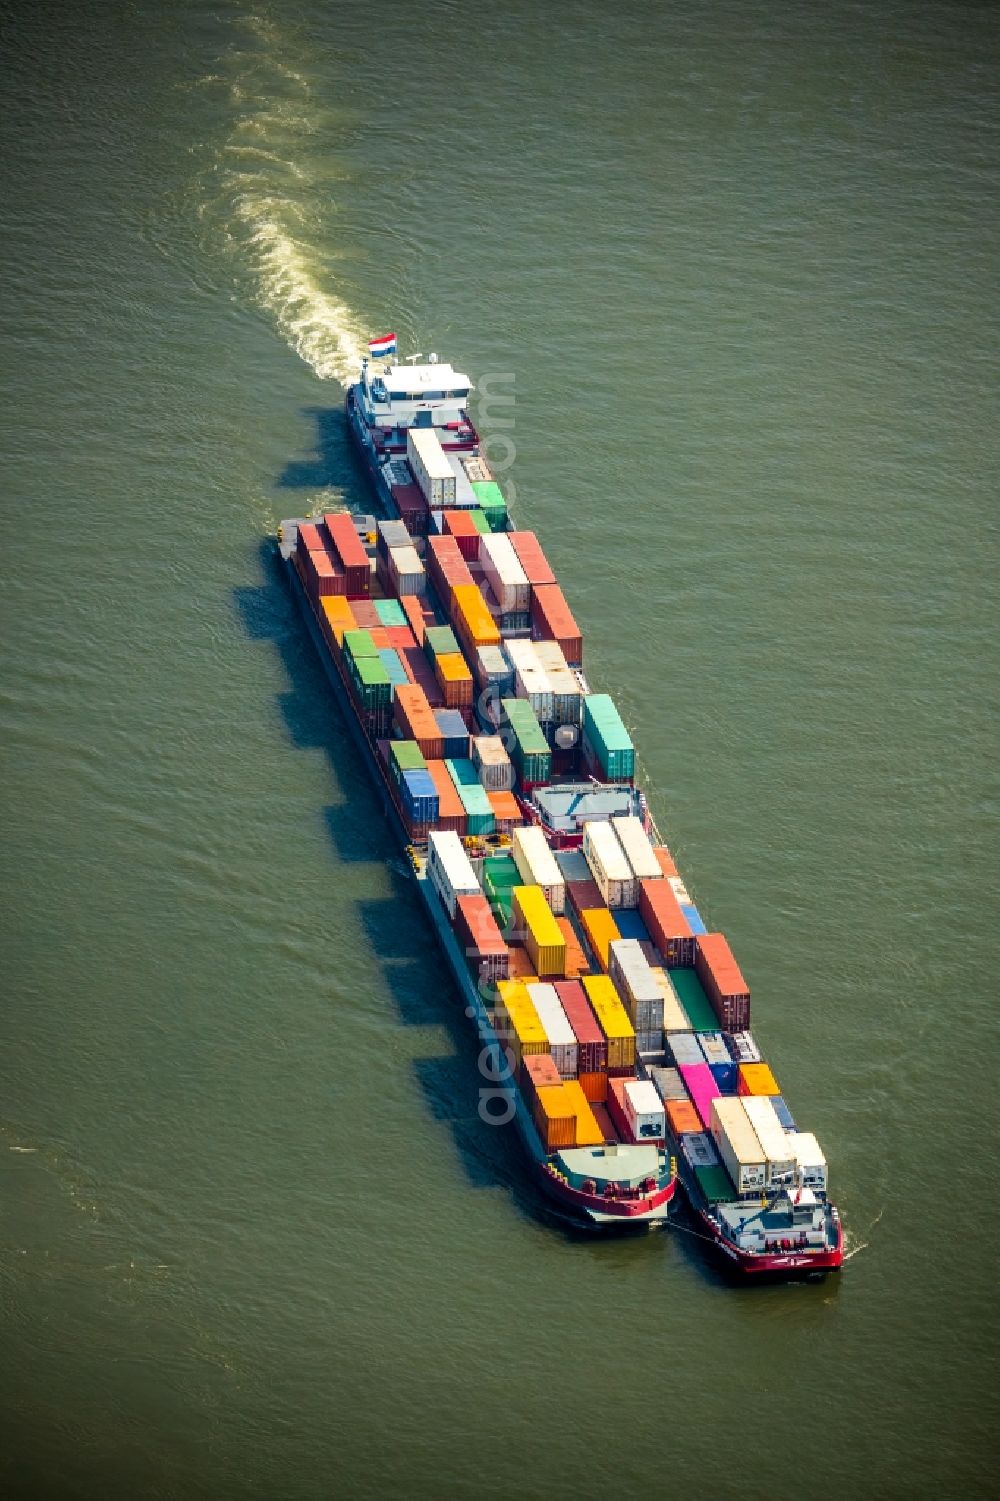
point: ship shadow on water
(332, 463)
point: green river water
(737, 264)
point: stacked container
(504, 573)
(490, 758)
(563, 1047)
(743, 1047)
(454, 733)
(531, 558)
(567, 695)
(545, 944)
(336, 618)
(599, 926)
(612, 1018)
(610, 869)
(478, 811)
(481, 940)
(415, 719)
(454, 679)
(420, 801)
(756, 1078)
(675, 1018)
(700, 1084)
(446, 568)
(592, 1045)
(506, 811)
(637, 986)
(537, 866)
(669, 1084)
(461, 526)
(638, 850)
(565, 1119)
(451, 810)
(321, 574)
(493, 670)
(668, 927)
(450, 869)
(577, 963)
(717, 1056)
(724, 985)
(531, 681)
(637, 1110)
(810, 1163)
(473, 622)
(406, 572)
(430, 466)
(738, 1145)
(552, 620)
(607, 740)
(530, 752)
(773, 1140)
(350, 553)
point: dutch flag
(378, 347)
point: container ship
(614, 1028)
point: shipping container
(520, 966)
(454, 679)
(491, 503)
(783, 1113)
(493, 671)
(506, 811)
(419, 796)
(495, 768)
(693, 916)
(724, 984)
(738, 1146)
(537, 1071)
(756, 1078)
(537, 866)
(773, 1140)
(454, 733)
(636, 1109)
(414, 717)
(600, 930)
(405, 574)
(699, 1149)
(669, 1084)
(577, 963)
(694, 1000)
(609, 741)
(556, 1118)
(504, 573)
(449, 869)
(447, 569)
(477, 932)
(562, 1039)
(637, 848)
(594, 1086)
(472, 620)
(702, 1088)
(323, 576)
(573, 864)
(609, 866)
(451, 813)
(336, 618)
(531, 558)
(810, 1163)
(430, 466)
(743, 1047)
(665, 860)
(552, 620)
(370, 682)
(591, 1042)
(684, 1050)
(530, 753)
(350, 552)
(567, 695)
(531, 681)
(517, 1023)
(414, 609)
(612, 1018)
(543, 940)
(391, 613)
(716, 1184)
(393, 665)
(675, 1018)
(461, 526)
(668, 927)
(405, 755)
(683, 1117)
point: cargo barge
(614, 1028)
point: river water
(736, 265)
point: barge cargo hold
(614, 1026)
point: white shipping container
(772, 1137)
(430, 466)
(406, 571)
(536, 865)
(638, 850)
(713, 1045)
(503, 570)
(644, 1110)
(566, 688)
(743, 1047)
(637, 986)
(492, 666)
(698, 1149)
(738, 1146)
(680, 891)
(490, 758)
(450, 869)
(810, 1163)
(675, 1018)
(608, 865)
(531, 681)
(563, 1045)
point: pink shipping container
(349, 549)
(323, 575)
(593, 1045)
(531, 558)
(699, 1081)
(667, 926)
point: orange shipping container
(506, 810)
(601, 930)
(683, 1117)
(414, 611)
(665, 860)
(552, 620)
(555, 1117)
(454, 680)
(667, 926)
(336, 617)
(723, 981)
(460, 525)
(521, 967)
(595, 1087)
(576, 959)
(756, 1078)
(415, 718)
(450, 806)
(588, 1132)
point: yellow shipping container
(544, 939)
(473, 617)
(613, 1020)
(338, 617)
(453, 667)
(518, 1024)
(601, 930)
(588, 1132)
(757, 1078)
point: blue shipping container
(783, 1113)
(694, 919)
(726, 1076)
(394, 667)
(420, 798)
(630, 924)
(454, 732)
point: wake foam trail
(261, 192)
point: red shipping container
(349, 549)
(616, 1108)
(401, 638)
(481, 939)
(323, 575)
(552, 620)
(366, 614)
(592, 1042)
(665, 922)
(531, 558)
(665, 860)
(413, 609)
(419, 670)
(723, 981)
(446, 568)
(460, 525)
(585, 895)
(412, 508)
(308, 539)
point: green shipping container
(500, 876)
(405, 755)
(715, 1184)
(463, 774)
(492, 504)
(358, 644)
(607, 736)
(694, 1000)
(531, 754)
(479, 522)
(390, 612)
(479, 817)
(371, 682)
(439, 641)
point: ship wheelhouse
(392, 398)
